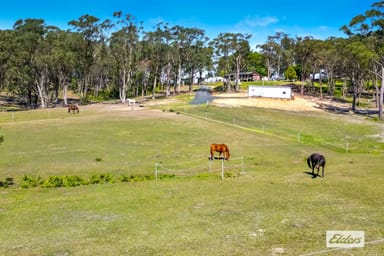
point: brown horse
(73, 108)
(222, 149)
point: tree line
(117, 58)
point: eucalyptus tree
(278, 51)
(201, 60)
(28, 72)
(44, 78)
(63, 59)
(269, 51)
(242, 50)
(357, 60)
(6, 39)
(231, 50)
(124, 45)
(168, 72)
(156, 51)
(188, 44)
(369, 28)
(303, 50)
(317, 58)
(92, 36)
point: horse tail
(309, 162)
(212, 150)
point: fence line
(192, 170)
(299, 137)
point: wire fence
(193, 168)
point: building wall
(280, 92)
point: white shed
(279, 92)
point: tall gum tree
(124, 45)
(368, 28)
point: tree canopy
(117, 58)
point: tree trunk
(381, 98)
(237, 76)
(178, 83)
(62, 82)
(65, 96)
(123, 88)
(354, 98)
(168, 89)
(154, 87)
(41, 90)
(344, 88)
(191, 83)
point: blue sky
(320, 19)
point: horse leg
(313, 168)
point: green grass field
(275, 207)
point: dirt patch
(299, 103)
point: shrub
(72, 181)
(53, 182)
(28, 182)
(100, 179)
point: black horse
(316, 161)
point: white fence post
(222, 169)
(155, 171)
(210, 164)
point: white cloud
(258, 21)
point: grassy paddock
(274, 206)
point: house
(244, 76)
(323, 74)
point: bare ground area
(239, 99)
(298, 103)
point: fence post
(222, 169)
(155, 171)
(210, 164)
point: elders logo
(345, 239)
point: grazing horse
(316, 161)
(222, 149)
(73, 108)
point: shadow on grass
(217, 158)
(313, 175)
